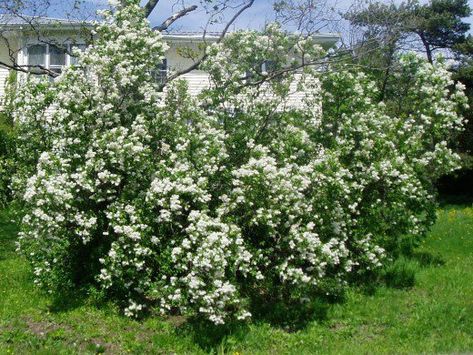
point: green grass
(433, 316)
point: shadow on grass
(213, 338)
(290, 318)
(68, 300)
(427, 259)
(8, 235)
(281, 312)
(456, 200)
(401, 273)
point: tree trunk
(387, 72)
(428, 50)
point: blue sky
(255, 17)
(259, 14)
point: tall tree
(436, 25)
(439, 24)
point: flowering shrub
(200, 205)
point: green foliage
(8, 136)
(9, 96)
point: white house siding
(3, 79)
(197, 81)
(295, 97)
(4, 72)
(177, 44)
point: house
(21, 45)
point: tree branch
(149, 7)
(339, 56)
(234, 18)
(170, 20)
(222, 35)
(32, 69)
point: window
(161, 72)
(269, 66)
(52, 57)
(37, 54)
(57, 59)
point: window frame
(47, 55)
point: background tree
(307, 16)
(436, 25)
(377, 34)
(439, 24)
(380, 31)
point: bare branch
(306, 16)
(149, 7)
(338, 56)
(32, 69)
(222, 35)
(234, 18)
(170, 20)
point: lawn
(436, 315)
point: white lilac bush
(200, 205)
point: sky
(255, 17)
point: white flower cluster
(202, 205)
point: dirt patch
(177, 321)
(6, 328)
(40, 328)
(70, 336)
(100, 346)
(337, 327)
